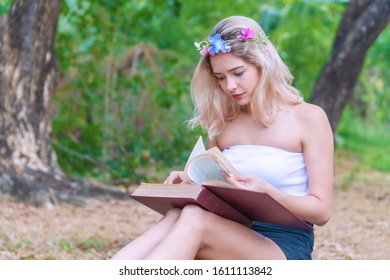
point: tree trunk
(28, 166)
(361, 24)
(27, 84)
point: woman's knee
(173, 214)
(193, 211)
(193, 216)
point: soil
(359, 227)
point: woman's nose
(231, 84)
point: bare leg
(140, 247)
(182, 242)
(201, 234)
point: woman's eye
(220, 78)
(239, 73)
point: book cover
(258, 206)
(162, 198)
(209, 189)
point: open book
(209, 189)
(204, 165)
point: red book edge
(259, 206)
(206, 199)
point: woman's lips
(238, 96)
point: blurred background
(122, 97)
(118, 113)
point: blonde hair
(213, 108)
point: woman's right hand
(176, 177)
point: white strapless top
(283, 169)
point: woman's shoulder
(308, 118)
(310, 113)
(313, 122)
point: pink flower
(247, 34)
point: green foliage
(304, 38)
(365, 125)
(369, 141)
(123, 95)
(122, 98)
(5, 5)
(371, 100)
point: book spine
(214, 204)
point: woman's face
(235, 76)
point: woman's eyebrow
(231, 70)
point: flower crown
(215, 44)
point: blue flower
(215, 44)
(218, 45)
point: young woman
(279, 144)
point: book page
(207, 164)
(166, 190)
(198, 149)
(204, 168)
(217, 155)
(218, 183)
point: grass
(74, 244)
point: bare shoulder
(310, 117)
(310, 114)
(315, 126)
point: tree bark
(27, 83)
(28, 166)
(361, 24)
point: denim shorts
(296, 244)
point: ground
(359, 227)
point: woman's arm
(317, 146)
(318, 150)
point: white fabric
(283, 169)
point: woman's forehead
(226, 62)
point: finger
(170, 179)
(242, 179)
(225, 174)
(229, 175)
(234, 182)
